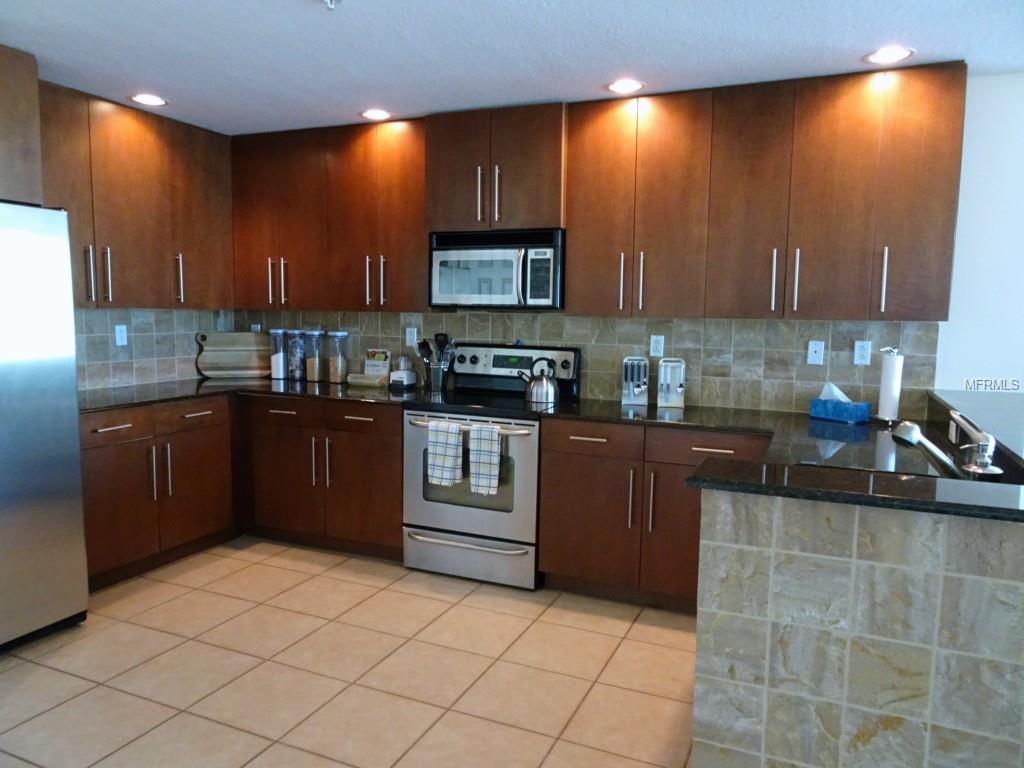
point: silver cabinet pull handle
(582, 439)
(359, 418)
(196, 415)
(282, 413)
(270, 281)
(170, 474)
(479, 193)
(110, 275)
(497, 192)
(724, 451)
(368, 262)
(327, 462)
(382, 260)
(640, 303)
(312, 462)
(284, 295)
(423, 423)
(775, 272)
(650, 508)
(181, 278)
(101, 430)
(90, 264)
(796, 281)
(518, 552)
(622, 276)
(885, 277)
(629, 517)
(152, 465)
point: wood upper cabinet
(495, 168)
(673, 168)
(199, 261)
(131, 205)
(600, 197)
(20, 177)
(918, 186)
(751, 155)
(253, 212)
(836, 132)
(67, 180)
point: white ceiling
(241, 67)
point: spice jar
(296, 343)
(278, 356)
(316, 356)
(337, 343)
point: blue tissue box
(834, 410)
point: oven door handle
(423, 423)
(462, 545)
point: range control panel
(501, 360)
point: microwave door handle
(520, 275)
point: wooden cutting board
(233, 355)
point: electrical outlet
(657, 346)
(121, 335)
(412, 336)
(815, 352)
(256, 328)
(862, 353)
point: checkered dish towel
(444, 453)
(484, 458)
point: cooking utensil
(441, 340)
(426, 353)
(541, 388)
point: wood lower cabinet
(195, 484)
(286, 474)
(671, 531)
(363, 487)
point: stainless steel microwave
(498, 269)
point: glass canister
(316, 356)
(278, 354)
(296, 345)
(337, 364)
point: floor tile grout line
(23, 759)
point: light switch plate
(412, 335)
(815, 352)
(862, 353)
(121, 335)
(657, 346)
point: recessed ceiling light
(889, 54)
(376, 114)
(149, 99)
(625, 85)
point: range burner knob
(474, 360)
(461, 358)
(565, 365)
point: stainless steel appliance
(42, 544)
(635, 376)
(451, 529)
(541, 388)
(512, 269)
(671, 382)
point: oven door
(511, 514)
(483, 277)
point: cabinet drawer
(296, 411)
(591, 438)
(194, 413)
(119, 425)
(374, 418)
(692, 446)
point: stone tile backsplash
(738, 363)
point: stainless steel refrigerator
(42, 543)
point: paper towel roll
(889, 389)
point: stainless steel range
(450, 527)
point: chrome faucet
(982, 446)
(909, 434)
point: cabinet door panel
(200, 217)
(402, 236)
(599, 196)
(919, 182)
(253, 216)
(836, 132)
(67, 178)
(527, 148)
(458, 152)
(673, 169)
(364, 497)
(351, 213)
(751, 155)
(196, 485)
(287, 476)
(590, 518)
(131, 202)
(671, 531)
(19, 127)
(119, 504)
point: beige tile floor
(257, 654)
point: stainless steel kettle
(541, 389)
